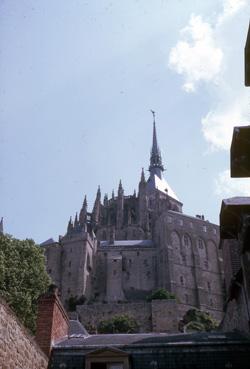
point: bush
(23, 277)
(118, 324)
(74, 300)
(161, 294)
(198, 320)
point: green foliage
(118, 324)
(23, 277)
(161, 294)
(74, 300)
(198, 320)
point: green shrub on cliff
(161, 294)
(23, 277)
(118, 324)
(198, 320)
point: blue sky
(78, 80)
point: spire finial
(153, 112)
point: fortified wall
(155, 316)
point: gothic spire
(105, 200)
(76, 221)
(98, 195)
(120, 188)
(156, 166)
(120, 206)
(1, 226)
(96, 208)
(70, 225)
(143, 176)
(83, 212)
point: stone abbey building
(128, 246)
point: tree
(161, 294)
(23, 277)
(73, 301)
(198, 320)
(118, 324)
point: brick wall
(52, 321)
(18, 349)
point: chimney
(52, 320)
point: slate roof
(76, 329)
(230, 215)
(47, 242)
(147, 243)
(152, 339)
(154, 182)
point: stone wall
(164, 316)
(189, 262)
(155, 316)
(125, 273)
(236, 315)
(91, 315)
(18, 348)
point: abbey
(129, 246)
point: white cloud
(197, 59)
(230, 8)
(217, 126)
(212, 56)
(228, 187)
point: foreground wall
(18, 348)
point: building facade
(129, 246)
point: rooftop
(152, 339)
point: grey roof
(127, 243)
(237, 200)
(230, 215)
(47, 242)
(149, 339)
(76, 328)
(156, 183)
(192, 217)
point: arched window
(175, 241)
(186, 240)
(202, 249)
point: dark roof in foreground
(203, 350)
(151, 339)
